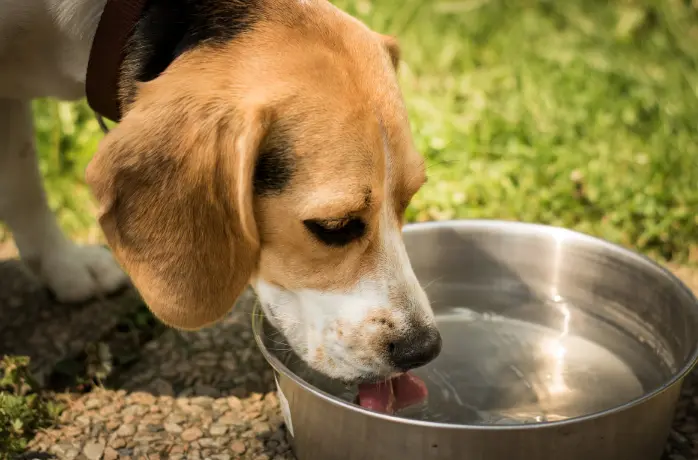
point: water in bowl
(503, 369)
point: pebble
(110, 454)
(238, 447)
(234, 403)
(230, 419)
(108, 410)
(142, 398)
(191, 434)
(162, 387)
(218, 430)
(92, 403)
(177, 418)
(204, 401)
(93, 450)
(207, 442)
(118, 443)
(126, 430)
(173, 428)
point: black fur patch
(169, 28)
(275, 166)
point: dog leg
(74, 273)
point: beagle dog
(261, 142)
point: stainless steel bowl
(556, 345)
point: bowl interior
(539, 324)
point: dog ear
(392, 46)
(174, 185)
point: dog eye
(336, 232)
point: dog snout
(415, 350)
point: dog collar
(107, 53)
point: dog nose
(415, 350)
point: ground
(203, 395)
(579, 113)
(198, 395)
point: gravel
(210, 395)
(111, 424)
(32, 324)
(207, 394)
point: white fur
(44, 48)
(312, 320)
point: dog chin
(348, 375)
(279, 306)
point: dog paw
(79, 273)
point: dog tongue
(392, 395)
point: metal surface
(556, 345)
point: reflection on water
(500, 370)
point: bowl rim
(676, 378)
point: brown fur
(174, 179)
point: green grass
(24, 408)
(580, 113)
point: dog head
(281, 157)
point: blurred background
(580, 113)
